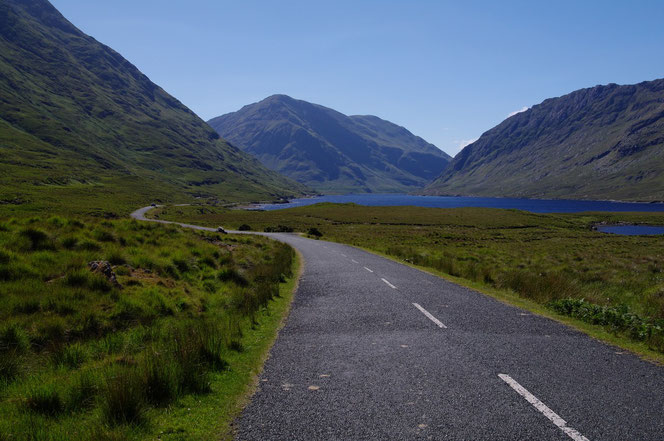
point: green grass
(82, 131)
(552, 260)
(82, 358)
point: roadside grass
(614, 284)
(84, 357)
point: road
(374, 349)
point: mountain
(605, 142)
(80, 124)
(329, 151)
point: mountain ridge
(602, 142)
(330, 151)
(77, 120)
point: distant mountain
(79, 122)
(329, 151)
(605, 142)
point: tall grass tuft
(160, 376)
(37, 239)
(71, 356)
(122, 398)
(83, 392)
(45, 400)
(232, 275)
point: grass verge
(212, 416)
(109, 328)
(639, 348)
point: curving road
(373, 349)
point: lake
(532, 205)
(631, 230)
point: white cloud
(464, 142)
(523, 109)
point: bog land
(610, 285)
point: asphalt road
(373, 349)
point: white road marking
(371, 271)
(543, 409)
(429, 316)
(388, 283)
(354, 261)
(343, 255)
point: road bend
(373, 349)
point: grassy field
(162, 343)
(555, 260)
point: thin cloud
(464, 142)
(523, 109)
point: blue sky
(447, 71)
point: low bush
(278, 229)
(244, 227)
(313, 231)
(617, 318)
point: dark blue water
(631, 230)
(532, 205)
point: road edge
(512, 299)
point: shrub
(618, 318)
(279, 229)
(244, 227)
(314, 232)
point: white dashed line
(429, 316)
(354, 261)
(343, 255)
(388, 283)
(371, 271)
(543, 408)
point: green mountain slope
(329, 151)
(605, 142)
(81, 126)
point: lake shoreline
(525, 204)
